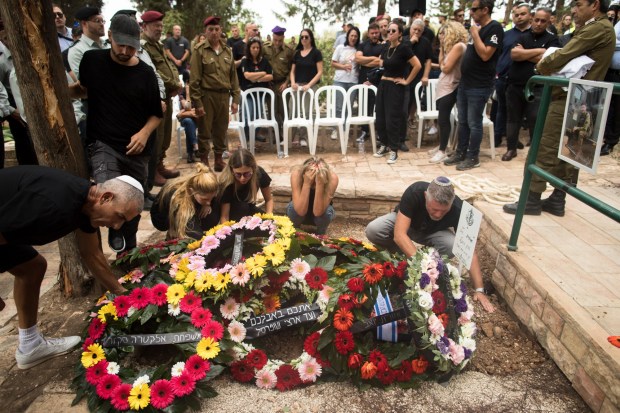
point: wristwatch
(480, 290)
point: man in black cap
(152, 27)
(280, 57)
(121, 123)
(93, 29)
(213, 81)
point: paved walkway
(573, 262)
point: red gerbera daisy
(439, 302)
(159, 294)
(385, 375)
(161, 394)
(401, 269)
(183, 385)
(122, 304)
(200, 317)
(316, 278)
(120, 396)
(107, 385)
(197, 367)
(96, 372)
(355, 361)
(373, 273)
(96, 328)
(405, 372)
(344, 342)
(388, 269)
(345, 302)
(288, 377)
(213, 329)
(140, 297)
(242, 371)
(419, 365)
(356, 285)
(87, 342)
(376, 357)
(190, 302)
(311, 343)
(257, 359)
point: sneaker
(303, 142)
(432, 130)
(468, 163)
(48, 349)
(361, 138)
(433, 151)
(334, 135)
(403, 147)
(454, 159)
(225, 155)
(383, 150)
(116, 241)
(438, 157)
(393, 157)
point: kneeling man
(39, 205)
(425, 214)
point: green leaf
(311, 260)
(327, 336)
(149, 312)
(206, 392)
(192, 402)
(215, 371)
(327, 263)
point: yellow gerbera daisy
(202, 282)
(339, 271)
(139, 396)
(369, 246)
(175, 293)
(183, 265)
(189, 279)
(207, 348)
(194, 245)
(275, 253)
(93, 355)
(285, 242)
(110, 309)
(221, 281)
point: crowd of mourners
(123, 85)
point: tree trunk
(42, 81)
(381, 7)
(507, 13)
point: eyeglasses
(475, 9)
(245, 175)
(59, 15)
(97, 21)
(304, 37)
(393, 31)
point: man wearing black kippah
(428, 213)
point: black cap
(125, 31)
(126, 12)
(86, 13)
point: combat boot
(204, 158)
(167, 173)
(219, 163)
(532, 205)
(555, 203)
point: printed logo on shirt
(493, 39)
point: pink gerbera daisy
(140, 297)
(183, 384)
(122, 304)
(158, 294)
(120, 396)
(96, 372)
(161, 394)
(197, 367)
(190, 302)
(107, 385)
(200, 317)
(309, 370)
(213, 329)
(266, 379)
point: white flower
(113, 368)
(141, 380)
(468, 342)
(230, 309)
(236, 331)
(325, 294)
(174, 310)
(425, 300)
(299, 269)
(177, 369)
(457, 293)
(468, 329)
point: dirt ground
(510, 372)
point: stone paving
(563, 283)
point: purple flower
(440, 265)
(424, 280)
(463, 288)
(468, 353)
(461, 305)
(443, 345)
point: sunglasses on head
(305, 36)
(245, 175)
(59, 15)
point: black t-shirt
(249, 66)
(413, 205)
(230, 42)
(239, 207)
(120, 99)
(476, 73)
(520, 72)
(238, 51)
(305, 67)
(368, 48)
(428, 34)
(178, 47)
(396, 60)
(39, 205)
(423, 51)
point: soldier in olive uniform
(152, 27)
(280, 57)
(213, 80)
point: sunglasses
(245, 175)
(393, 31)
(460, 15)
(475, 9)
(304, 37)
(59, 15)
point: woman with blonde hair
(188, 206)
(452, 46)
(313, 185)
(241, 180)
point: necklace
(393, 51)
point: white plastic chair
(297, 115)
(255, 102)
(431, 112)
(361, 117)
(236, 124)
(486, 123)
(330, 96)
(176, 125)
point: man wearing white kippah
(428, 213)
(39, 205)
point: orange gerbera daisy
(369, 370)
(272, 303)
(343, 319)
(373, 273)
(419, 365)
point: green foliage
(331, 11)
(69, 7)
(326, 46)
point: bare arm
(139, 140)
(317, 78)
(400, 235)
(427, 71)
(88, 245)
(476, 279)
(453, 58)
(368, 61)
(323, 196)
(484, 51)
(77, 91)
(300, 190)
(519, 54)
(225, 213)
(266, 191)
(416, 67)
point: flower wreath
(101, 375)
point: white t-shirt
(344, 55)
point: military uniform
(281, 62)
(213, 80)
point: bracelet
(480, 290)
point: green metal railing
(531, 167)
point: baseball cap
(125, 31)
